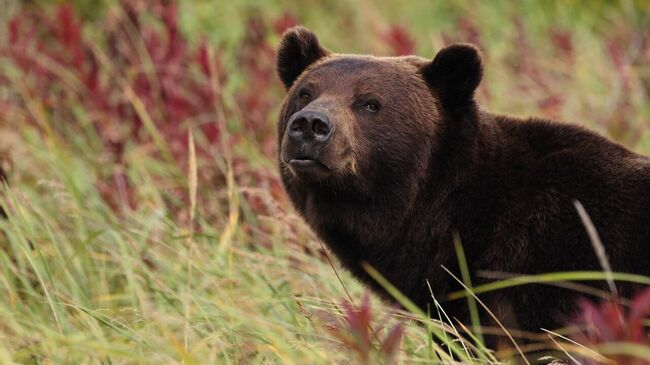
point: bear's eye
(371, 106)
(304, 96)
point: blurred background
(146, 220)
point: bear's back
(543, 168)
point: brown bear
(387, 158)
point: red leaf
(641, 305)
(70, 32)
(286, 21)
(400, 40)
(392, 340)
(14, 25)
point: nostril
(309, 127)
(320, 127)
(298, 125)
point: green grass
(197, 272)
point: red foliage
(399, 40)
(286, 21)
(61, 69)
(469, 31)
(609, 322)
(165, 78)
(563, 42)
(358, 335)
(256, 101)
(525, 64)
(257, 60)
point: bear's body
(386, 158)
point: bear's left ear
(298, 49)
(454, 74)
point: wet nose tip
(321, 127)
(310, 125)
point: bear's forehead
(355, 63)
(355, 70)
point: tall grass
(146, 222)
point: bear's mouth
(307, 163)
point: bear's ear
(298, 49)
(455, 73)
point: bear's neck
(384, 230)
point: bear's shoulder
(544, 137)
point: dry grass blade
(451, 324)
(597, 245)
(192, 178)
(336, 272)
(587, 350)
(148, 122)
(233, 214)
(523, 357)
(192, 185)
(563, 351)
(580, 288)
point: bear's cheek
(394, 145)
(340, 155)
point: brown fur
(395, 184)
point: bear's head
(354, 125)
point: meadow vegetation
(143, 217)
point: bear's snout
(308, 136)
(310, 127)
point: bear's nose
(310, 126)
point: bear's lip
(306, 163)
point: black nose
(310, 126)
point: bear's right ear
(454, 74)
(298, 49)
